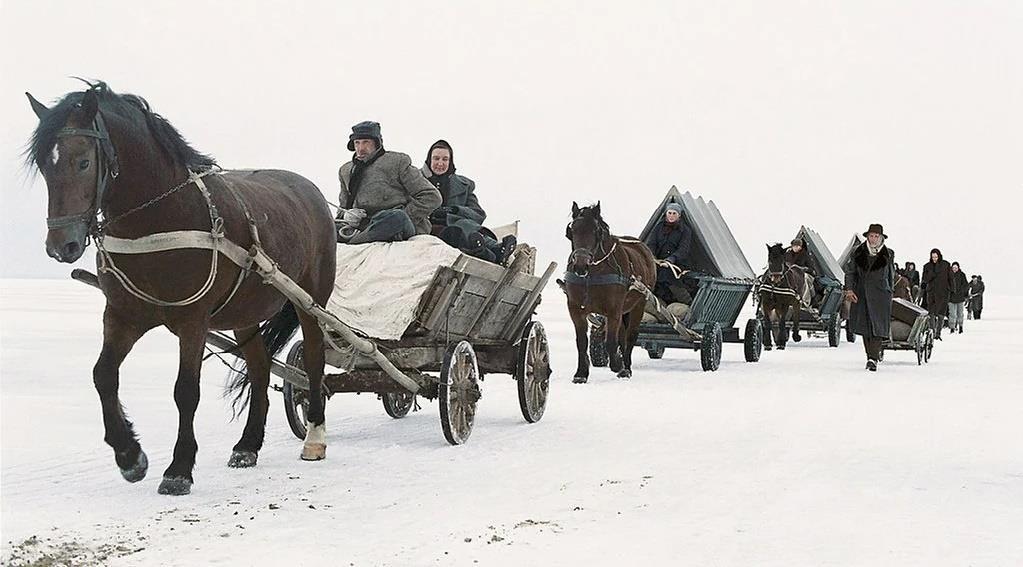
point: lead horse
(601, 279)
(115, 170)
(781, 291)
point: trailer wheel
(533, 372)
(296, 400)
(753, 340)
(710, 347)
(458, 392)
(398, 404)
(834, 332)
(655, 351)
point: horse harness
(96, 227)
(617, 277)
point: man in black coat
(976, 296)
(935, 282)
(672, 241)
(869, 285)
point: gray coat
(467, 214)
(873, 281)
(391, 182)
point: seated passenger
(796, 255)
(671, 242)
(459, 219)
(383, 197)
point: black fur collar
(862, 257)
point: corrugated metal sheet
(826, 261)
(855, 241)
(715, 248)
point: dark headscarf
(441, 181)
(938, 252)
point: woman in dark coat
(936, 282)
(459, 219)
(671, 241)
(869, 285)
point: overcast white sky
(830, 114)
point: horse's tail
(276, 332)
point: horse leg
(118, 339)
(797, 315)
(768, 328)
(614, 357)
(177, 479)
(629, 336)
(582, 328)
(257, 367)
(782, 336)
(315, 446)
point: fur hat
(365, 131)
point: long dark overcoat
(873, 281)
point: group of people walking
(384, 198)
(872, 280)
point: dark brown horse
(601, 272)
(113, 168)
(781, 289)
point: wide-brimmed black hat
(876, 228)
(367, 130)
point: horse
(781, 289)
(603, 272)
(114, 168)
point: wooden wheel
(598, 354)
(533, 372)
(458, 392)
(296, 400)
(397, 405)
(655, 351)
(710, 347)
(753, 340)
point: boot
(872, 365)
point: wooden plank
(493, 297)
(528, 305)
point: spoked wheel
(533, 372)
(397, 405)
(598, 354)
(850, 336)
(928, 345)
(296, 400)
(753, 340)
(655, 351)
(458, 392)
(834, 332)
(919, 352)
(710, 347)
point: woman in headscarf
(936, 282)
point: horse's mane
(594, 213)
(132, 109)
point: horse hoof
(616, 368)
(137, 471)
(625, 374)
(175, 486)
(580, 379)
(797, 338)
(768, 347)
(314, 451)
(781, 347)
(242, 459)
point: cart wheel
(598, 354)
(398, 404)
(710, 346)
(458, 392)
(928, 345)
(655, 351)
(753, 340)
(880, 355)
(533, 372)
(919, 353)
(849, 335)
(835, 332)
(296, 400)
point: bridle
(585, 255)
(108, 169)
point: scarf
(359, 168)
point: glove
(440, 215)
(348, 222)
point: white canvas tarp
(378, 286)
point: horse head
(587, 232)
(775, 262)
(72, 150)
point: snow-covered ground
(801, 459)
